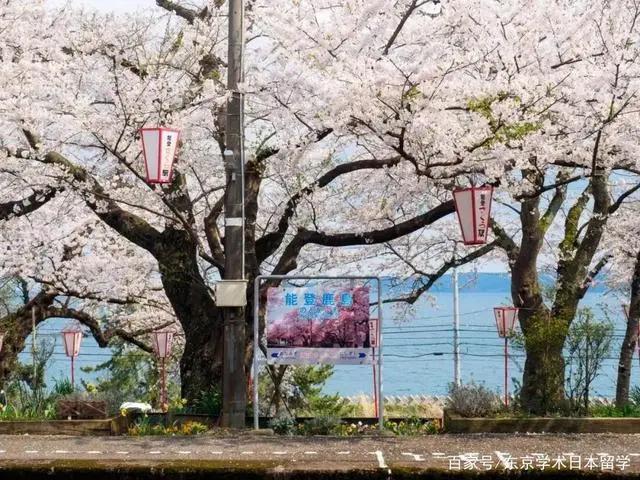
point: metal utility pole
(234, 395)
(456, 321)
(586, 367)
(506, 371)
(33, 348)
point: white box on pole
(231, 293)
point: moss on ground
(248, 470)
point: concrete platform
(247, 456)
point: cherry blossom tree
(624, 276)
(361, 118)
(340, 144)
(575, 66)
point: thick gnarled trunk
(201, 362)
(201, 320)
(543, 378)
(545, 328)
(17, 327)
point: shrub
(320, 426)
(410, 427)
(472, 400)
(634, 395)
(209, 402)
(145, 427)
(193, 428)
(353, 429)
(62, 387)
(283, 425)
(300, 389)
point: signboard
(373, 332)
(308, 325)
(327, 322)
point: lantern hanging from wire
(159, 148)
(72, 338)
(473, 208)
(505, 322)
(162, 343)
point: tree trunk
(630, 340)
(545, 329)
(543, 377)
(17, 327)
(201, 362)
(201, 320)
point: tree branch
(593, 273)
(504, 241)
(104, 337)
(556, 202)
(269, 243)
(130, 226)
(412, 7)
(27, 205)
(621, 198)
(188, 14)
(304, 237)
(213, 233)
(433, 278)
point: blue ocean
(418, 342)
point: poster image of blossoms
(303, 323)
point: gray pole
(256, 346)
(586, 369)
(456, 322)
(380, 390)
(234, 393)
(33, 347)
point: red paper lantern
(159, 147)
(162, 343)
(72, 337)
(505, 319)
(473, 207)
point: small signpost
(72, 337)
(373, 341)
(162, 345)
(473, 207)
(373, 332)
(159, 147)
(505, 322)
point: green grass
(611, 411)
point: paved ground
(594, 452)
